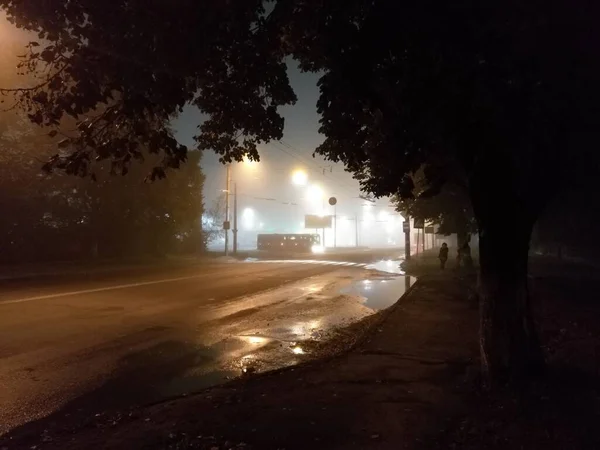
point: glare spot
(299, 177)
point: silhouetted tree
(448, 207)
(123, 72)
(505, 91)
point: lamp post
(226, 223)
(235, 221)
(333, 202)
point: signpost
(333, 202)
(406, 229)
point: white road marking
(142, 283)
(309, 261)
(102, 289)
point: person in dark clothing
(443, 255)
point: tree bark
(510, 348)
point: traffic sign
(226, 225)
(333, 201)
(406, 226)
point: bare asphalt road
(114, 339)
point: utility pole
(226, 225)
(235, 217)
(356, 227)
(407, 237)
(334, 226)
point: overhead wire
(319, 169)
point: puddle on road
(289, 333)
(237, 356)
(270, 330)
(389, 266)
(380, 293)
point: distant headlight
(318, 249)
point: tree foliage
(123, 70)
(450, 209)
(448, 206)
(57, 217)
(499, 92)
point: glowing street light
(249, 162)
(248, 218)
(299, 177)
(315, 193)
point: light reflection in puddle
(289, 333)
(297, 350)
(314, 288)
(256, 340)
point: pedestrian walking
(443, 255)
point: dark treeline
(50, 217)
(569, 226)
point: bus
(289, 243)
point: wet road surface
(116, 340)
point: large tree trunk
(510, 348)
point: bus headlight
(318, 249)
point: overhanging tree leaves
(501, 90)
(450, 209)
(444, 204)
(124, 69)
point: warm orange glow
(248, 162)
(299, 177)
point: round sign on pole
(332, 201)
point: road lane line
(107, 288)
(102, 289)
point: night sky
(301, 134)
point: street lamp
(249, 162)
(248, 217)
(299, 177)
